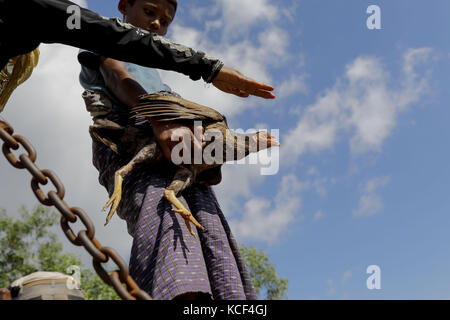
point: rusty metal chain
(85, 238)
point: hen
(227, 145)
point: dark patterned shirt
(25, 24)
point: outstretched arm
(27, 23)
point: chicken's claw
(114, 201)
(185, 213)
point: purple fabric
(166, 260)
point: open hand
(232, 81)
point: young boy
(166, 260)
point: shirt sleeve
(46, 21)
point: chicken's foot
(115, 198)
(180, 208)
(147, 155)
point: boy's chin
(162, 34)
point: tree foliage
(28, 245)
(263, 274)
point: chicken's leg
(181, 180)
(147, 155)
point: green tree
(28, 245)
(263, 274)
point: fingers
(258, 89)
(251, 84)
(239, 93)
(243, 94)
(264, 94)
(234, 82)
(244, 89)
(254, 92)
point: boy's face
(151, 15)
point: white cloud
(81, 3)
(262, 126)
(265, 221)
(236, 186)
(253, 53)
(242, 14)
(370, 203)
(296, 85)
(318, 215)
(198, 91)
(364, 102)
(252, 59)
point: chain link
(40, 194)
(33, 169)
(85, 238)
(5, 134)
(11, 157)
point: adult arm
(27, 23)
(45, 21)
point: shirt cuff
(215, 71)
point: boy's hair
(172, 2)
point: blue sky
(363, 121)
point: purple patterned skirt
(166, 260)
